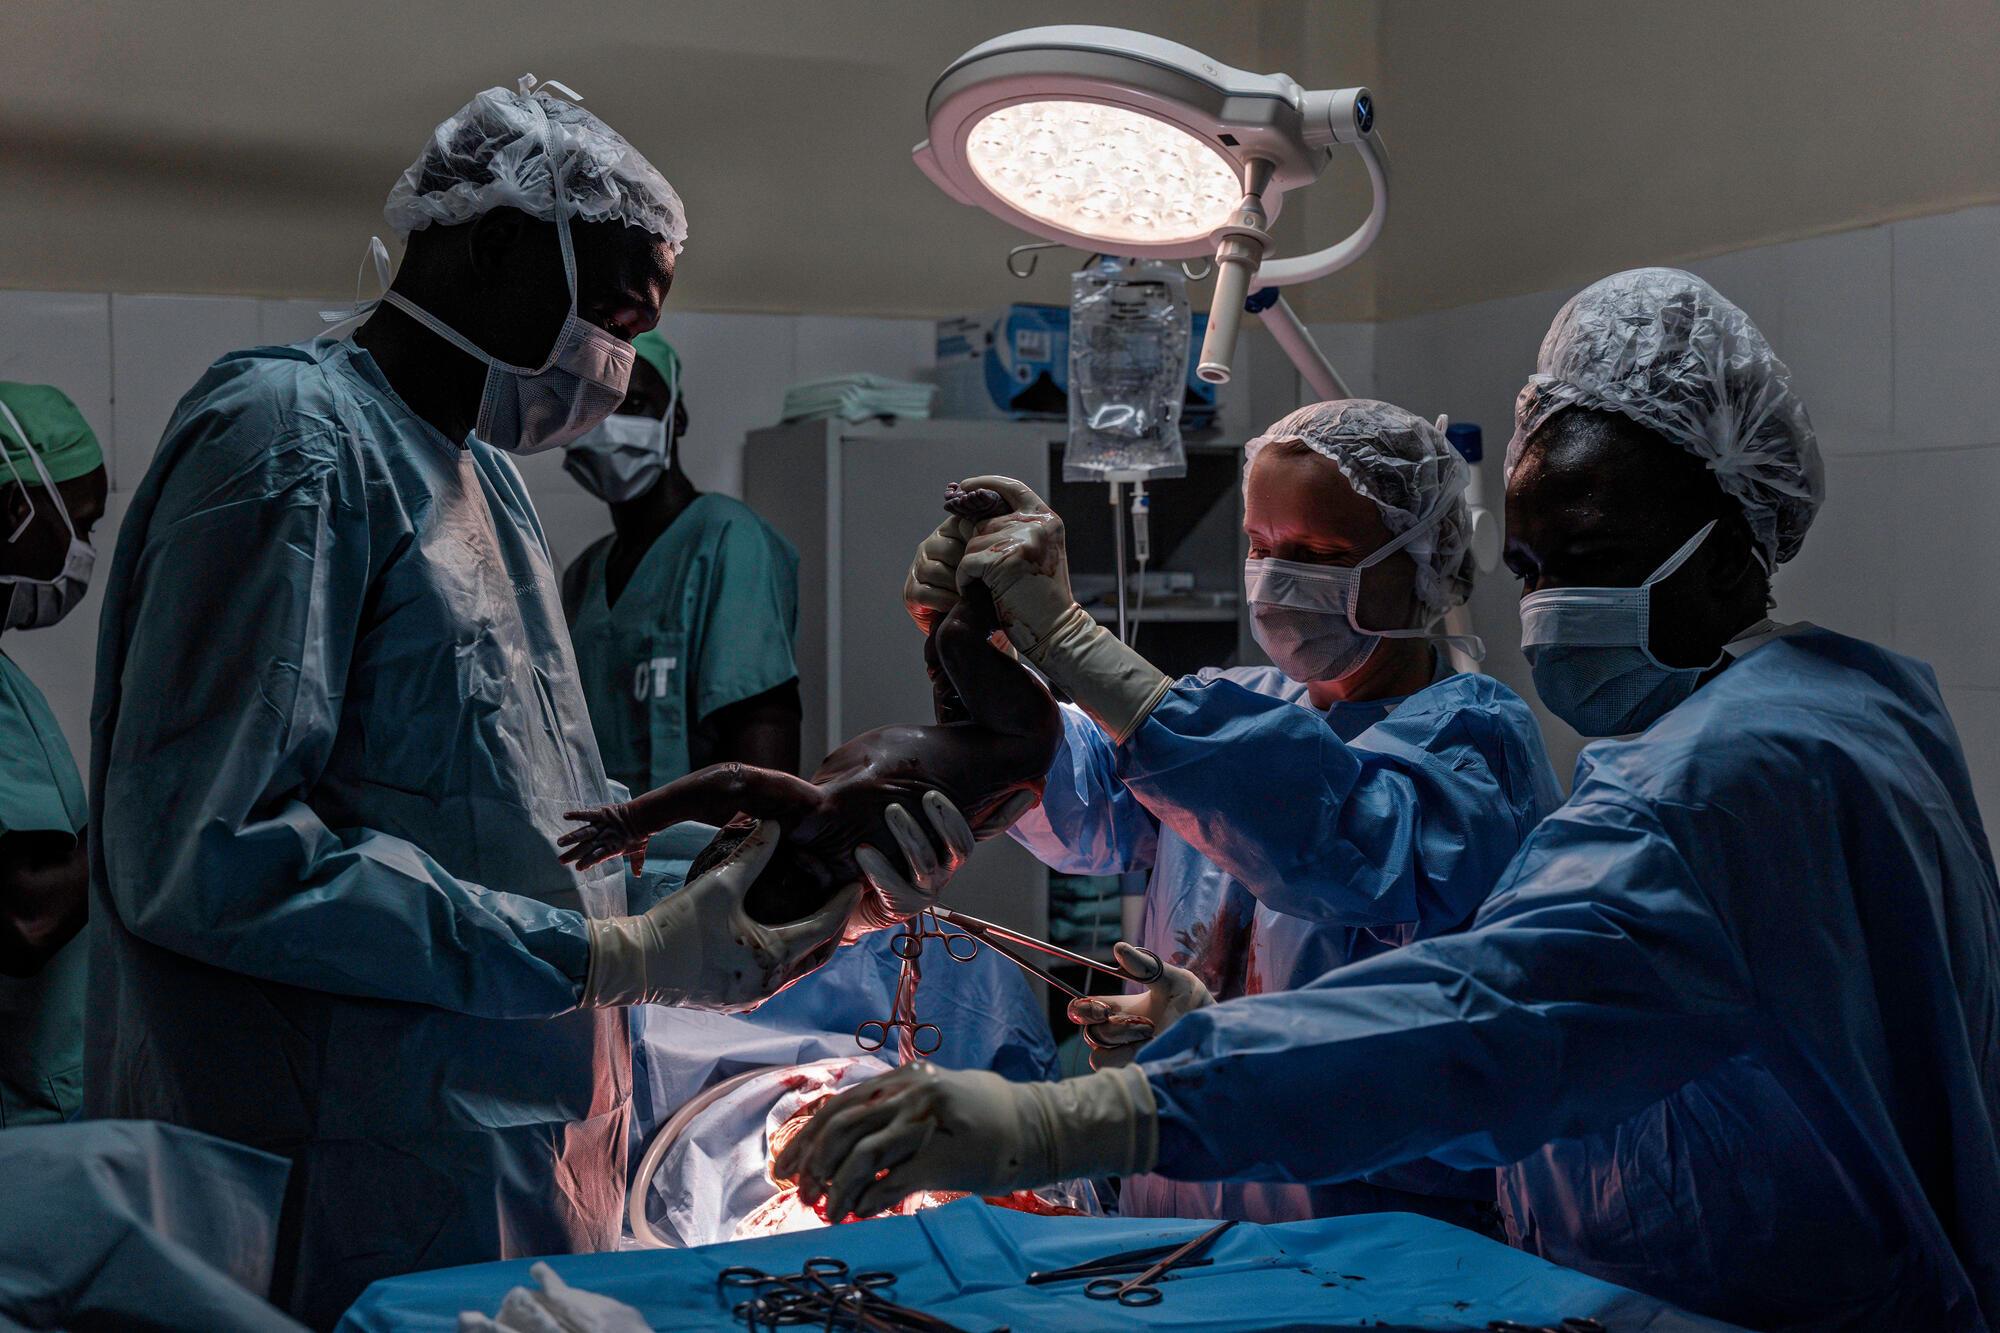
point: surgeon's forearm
(1474, 1049)
(1310, 826)
(44, 898)
(1087, 823)
(354, 912)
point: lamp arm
(1310, 268)
(1296, 341)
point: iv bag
(1128, 365)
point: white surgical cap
(1667, 350)
(493, 154)
(1404, 466)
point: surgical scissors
(1140, 1290)
(1127, 1261)
(825, 1293)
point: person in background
(1730, 1024)
(1356, 797)
(683, 618)
(338, 726)
(51, 496)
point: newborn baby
(994, 738)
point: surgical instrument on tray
(1142, 1290)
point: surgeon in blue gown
(338, 726)
(1358, 796)
(1730, 1025)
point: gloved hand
(697, 947)
(556, 1308)
(1022, 560)
(921, 1127)
(1116, 1026)
(901, 896)
(930, 589)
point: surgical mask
(526, 410)
(1302, 615)
(623, 456)
(1592, 663)
(39, 603)
(620, 458)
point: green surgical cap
(68, 447)
(660, 355)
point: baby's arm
(714, 795)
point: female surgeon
(1357, 797)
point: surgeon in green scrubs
(683, 617)
(52, 491)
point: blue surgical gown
(123, 1224)
(1284, 841)
(1730, 1025)
(336, 726)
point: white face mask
(39, 603)
(1302, 615)
(621, 458)
(524, 410)
(1591, 654)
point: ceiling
(223, 146)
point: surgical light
(1121, 142)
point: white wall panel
(1947, 329)
(160, 345)
(64, 339)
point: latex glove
(930, 589)
(697, 947)
(1022, 559)
(1116, 1026)
(924, 1128)
(903, 895)
(556, 1308)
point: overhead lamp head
(1108, 139)
(1117, 141)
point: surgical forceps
(1012, 945)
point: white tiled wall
(1890, 333)
(127, 360)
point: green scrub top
(41, 1017)
(707, 620)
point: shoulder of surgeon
(1812, 712)
(263, 413)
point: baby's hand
(606, 831)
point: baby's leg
(945, 702)
(720, 792)
(996, 691)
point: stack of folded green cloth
(857, 398)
